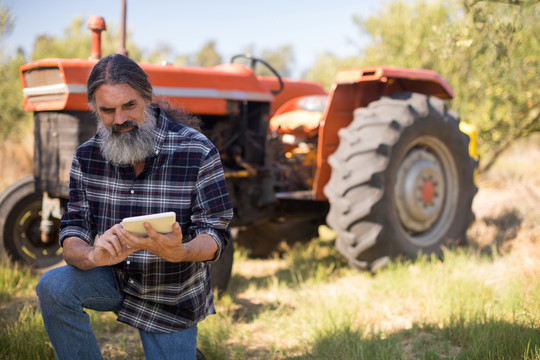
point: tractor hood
(60, 84)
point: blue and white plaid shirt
(184, 175)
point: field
(481, 302)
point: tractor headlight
(313, 103)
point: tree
(12, 118)
(161, 54)
(75, 43)
(281, 59)
(208, 55)
(327, 66)
(500, 45)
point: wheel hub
(419, 190)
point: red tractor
(380, 158)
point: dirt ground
(507, 205)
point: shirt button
(131, 281)
(132, 191)
(128, 262)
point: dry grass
(507, 206)
(16, 159)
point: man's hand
(170, 246)
(108, 250)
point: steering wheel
(253, 62)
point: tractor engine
(293, 160)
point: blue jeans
(63, 294)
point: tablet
(162, 223)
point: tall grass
(22, 335)
(310, 305)
(15, 280)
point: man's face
(119, 106)
(125, 124)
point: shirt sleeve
(212, 208)
(76, 220)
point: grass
(311, 305)
(481, 302)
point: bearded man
(139, 162)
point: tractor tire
(261, 240)
(20, 218)
(221, 270)
(402, 181)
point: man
(138, 163)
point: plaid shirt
(184, 175)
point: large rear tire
(402, 181)
(20, 218)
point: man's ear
(92, 106)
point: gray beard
(122, 149)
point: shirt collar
(160, 131)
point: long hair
(177, 114)
(119, 69)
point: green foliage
(6, 19)
(75, 43)
(280, 59)
(403, 33)
(12, 119)
(161, 54)
(208, 55)
(498, 86)
(327, 66)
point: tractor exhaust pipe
(122, 50)
(97, 25)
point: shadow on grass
(315, 261)
(495, 234)
(491, 339)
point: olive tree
(12, 118)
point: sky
(311, 27)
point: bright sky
(310, 26)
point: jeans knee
(52, 286)
(45, 286)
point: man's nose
(119, 117)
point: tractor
(379, 158)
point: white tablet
(162, 223)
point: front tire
(20, 218)
(402, 181)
